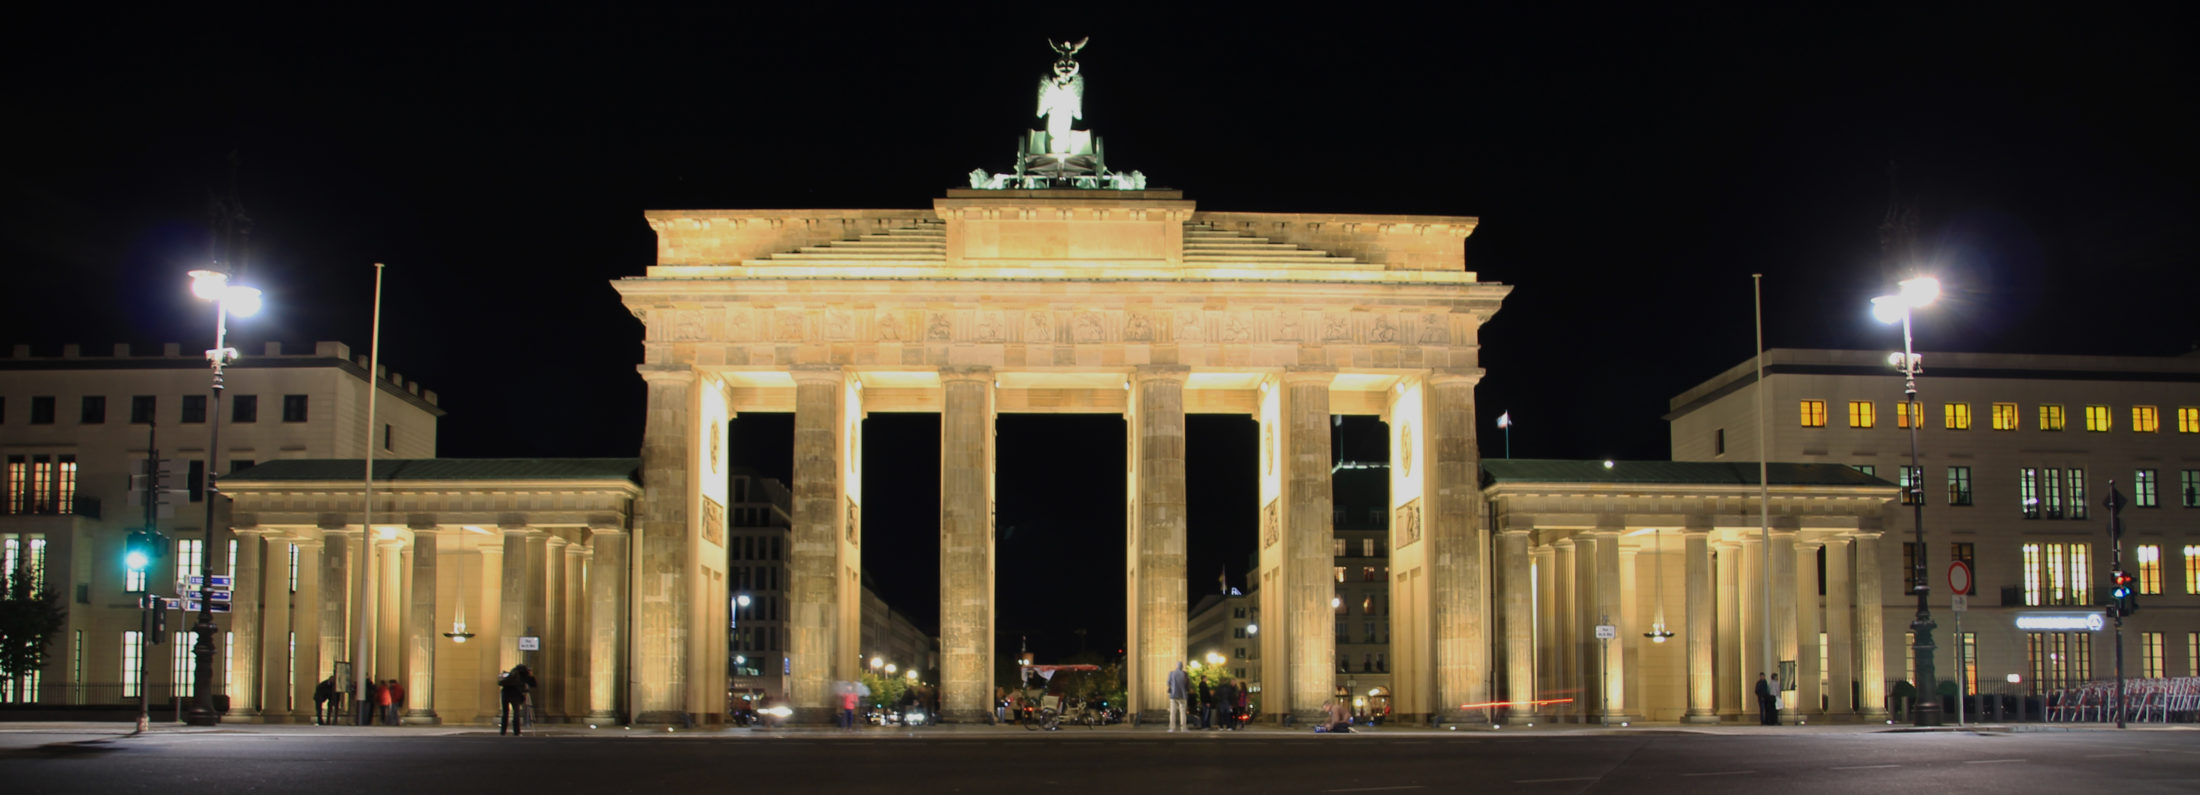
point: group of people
(384, 697)
(1768, 700)
(1224, 704)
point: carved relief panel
(1406, 528)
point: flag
(1224, 578)
(1505, 420)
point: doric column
(244, 621)
(1564, 642)
(391, 567)
(512, 621)
(1518, 608)
(337, 554)
(1547, 653)
(1590, 668)
(607, 612)
(1697, 629)
(552, 628)
(1609, 609)
(1158, 591)
(576, 640)
(1454, 532)
(1754, 615)
(1307, 529)
(1840, 629)
(275, 615)
(490, 627)
(822, 592)
(1871, 655)
(661, 547)
(309, 668)
(966, 544)
(1781, 557)
(422, 632)
(1733, 683)
(1802, 588)
(1631, 620)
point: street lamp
(1915, 293)
(229, 299)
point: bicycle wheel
(1051, 719)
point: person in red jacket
(393, 693)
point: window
(194, 409)
(1909, 656)
(1970, 663)
(2077, 493)
(2051, 417)
(2150, 570)
(2027, 491)
(2057, 574)
(42, 410)
(141, 409)
(1956, 416)
(41, 484)
(195, 480)
(1367, 547)
(386, 436)
(2150, 655)
(187, 666)
(133, 650)
(293, 567)
(294, 408)
(245, 408)
(190, 554)
(240, 465)
(1867, 469)
(93, 411)
(2192, 568)
(2145, 419)
(2058, 659)
(1908, 414)
(1336, 547)
(1966, 553)
(1718, 442)
(1340, 574)
(1367, 574)
(2192, 653)
(1909, 567)
(2142, 490)
(24, 552)
(2097, 419)
(2051, 494)
(1861, 414)
(2188, 419)
(1814, 414)
(2188, 488)
(2005, 416)
(1913, 485)
(1959, 485)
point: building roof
(1693, 473)
(395, 469)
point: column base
(603, 717)
(1524, 719)
(664, 717)
(812, 716)
(419, 717)
(1700, 718)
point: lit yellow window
(1907, 414)
(2192, 572)
(2005, 416)
(2097, 419)
(1957, 416)
(1861, 414)
(2051, 417)
(2150, 570)
(2145, 419)
(2188, 419)
(1814, 414)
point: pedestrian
(1776, 705)
(1767, 713)
(1243, 710)
(1339, 719)
(381, 711)
(324, 701)
(848, 709)
(397, 701)
(514, 688)
(1206, 704)
(1225, 704)
(1180, 687)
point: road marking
(2107, 756)
(1991, 761)
(1552, 780)
(1723, 773)
(1377, 789)
(1862, 767)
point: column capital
(667, 376)
(1515, 531)
(818, 374)
(1161, 372)
(556, 541)
(957, 373)
(1695, 532)
(1296, 376)
(1448, 377)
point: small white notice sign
(1959, 603)
(530, 643)
(1607, 631)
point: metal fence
(2168, 700)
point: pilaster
(1733, 685)
(1781, 557)
(308, 667)
(274, 646)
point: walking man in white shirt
(1180, 688)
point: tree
(885, 690)
(30, 614)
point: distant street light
(1915, 293)
(229, 299)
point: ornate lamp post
(242, 301)
(1915, 292)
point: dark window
(241, 465)
(42, 410)
(1909, 567)
(386, 433)
(194, 409)
(95, 410)
(1718, 442)
(1821, 570)
(195, 480)
(246, 408)
(141, 409)
(294, 408)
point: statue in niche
(1382, 331)
(889, 327)
(1138, 329)
(1088, 328)
(1237, 330)
(937, 328)
(1432, 328)
(1038, 327)
(1062, 98)
(1336, 328)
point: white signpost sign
(530, 643)
(1607, 631)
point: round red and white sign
(1959, 577)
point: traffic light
(2126, 594)
(138, 551)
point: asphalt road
(1009, 761)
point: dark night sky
(1631, 166)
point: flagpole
(366, 588)
(1764, 486)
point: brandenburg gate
(1131, 302)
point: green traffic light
(136, 560)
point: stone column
(1733, 684)
(1455, 536)
(244, 622)
(1608, 605)
(1632, 620)
(1871, 622)
(1753, 616)
(552, 629)
(1157, 542)
(305, 621)
(1697, 627)
(966, 544)
(490, 594)
(574, 637)
(1563, 642)
(1590, 668)
(1518, 608)
(391, 567)
(815, 570)
(422, 630)
(607, 614)
(661, 545)
(1308, 527)
(1547, 652)
(275, 597)
(512, 599)
(1803, 589)
(1840, 629)
(337, 637)
(1781, 557)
